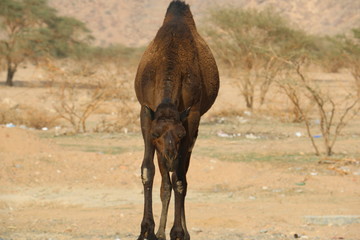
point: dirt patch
(52, 191)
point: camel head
(167, 131)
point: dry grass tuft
(28, 116)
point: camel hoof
(149, 237)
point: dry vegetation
(332, 109)
(77, 96)
(260, 48)
(81, 90)
(26, 115)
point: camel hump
(178, 9)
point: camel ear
(149, 111)
(185, 114)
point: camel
(177, 81)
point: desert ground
(251, 177)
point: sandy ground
(52, 191)
(261, 183)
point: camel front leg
(165, 195)
(179, 184)
(147, 224)
(147, 177)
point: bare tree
(241, 39)
(84, 89)
(78, 94)
(333, 113)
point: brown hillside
(134, 23)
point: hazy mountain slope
(135, 22)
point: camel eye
(155, 135)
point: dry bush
(255, 79)
(82, 89)
(244, 40)
(288, 91)
(343, 51)
(28, 116)
(333, 110)
(124, 120)
(125, 114)
(248, 42)
(284, 111)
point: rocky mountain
(135, 22)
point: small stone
(298, 134)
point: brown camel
(177, 81)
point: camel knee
(147, 175)
(180, 187)
(144, 175)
